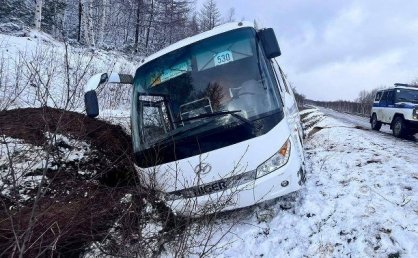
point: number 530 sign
(223, 58)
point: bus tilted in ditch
(215, 124)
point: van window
(391, 97)
(384, 97)
(378, 96)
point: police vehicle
(214, 121)
(397, 107)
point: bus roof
(190, 40)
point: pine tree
(53, 16)
(193, 26)
(17, 11)
(168, 23)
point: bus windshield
(222, 87)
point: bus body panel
(262, 189)
(224, 162)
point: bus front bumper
(280, 182)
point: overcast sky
(334, 49)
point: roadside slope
(62, 176)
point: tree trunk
(84, 22)
(87, 22)
(80, 17)
(90, 23)
(38, 14)
(137, 24)
(171, 25)
(102, 21)
(149, 25)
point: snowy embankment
(36, 70)
(360, 200)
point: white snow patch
(309, 110)
(126, 199)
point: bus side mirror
(90, 95)
(92, 105)
(269, 41)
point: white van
(397, 107)
(215, 125)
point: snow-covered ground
(361, 195)
(360, 200)
(355, 120)
(22, 165)
(36, 70)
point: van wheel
(376, 125)
(399, 128)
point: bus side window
(279, 83)
(283, 78)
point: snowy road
(356, 120)
(360, 200)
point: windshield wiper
(187, 129)
(221, 113)
(178, 132)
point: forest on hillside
(131, 26)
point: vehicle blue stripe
(401, 106)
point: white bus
(214, 122)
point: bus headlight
(415, 113)
(276, 161)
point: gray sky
(333, 49)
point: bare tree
(209, 16)
(230, 17)
(87, 22)
(102, 21)
(139, 5)
(140, 26)
(361, 106)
